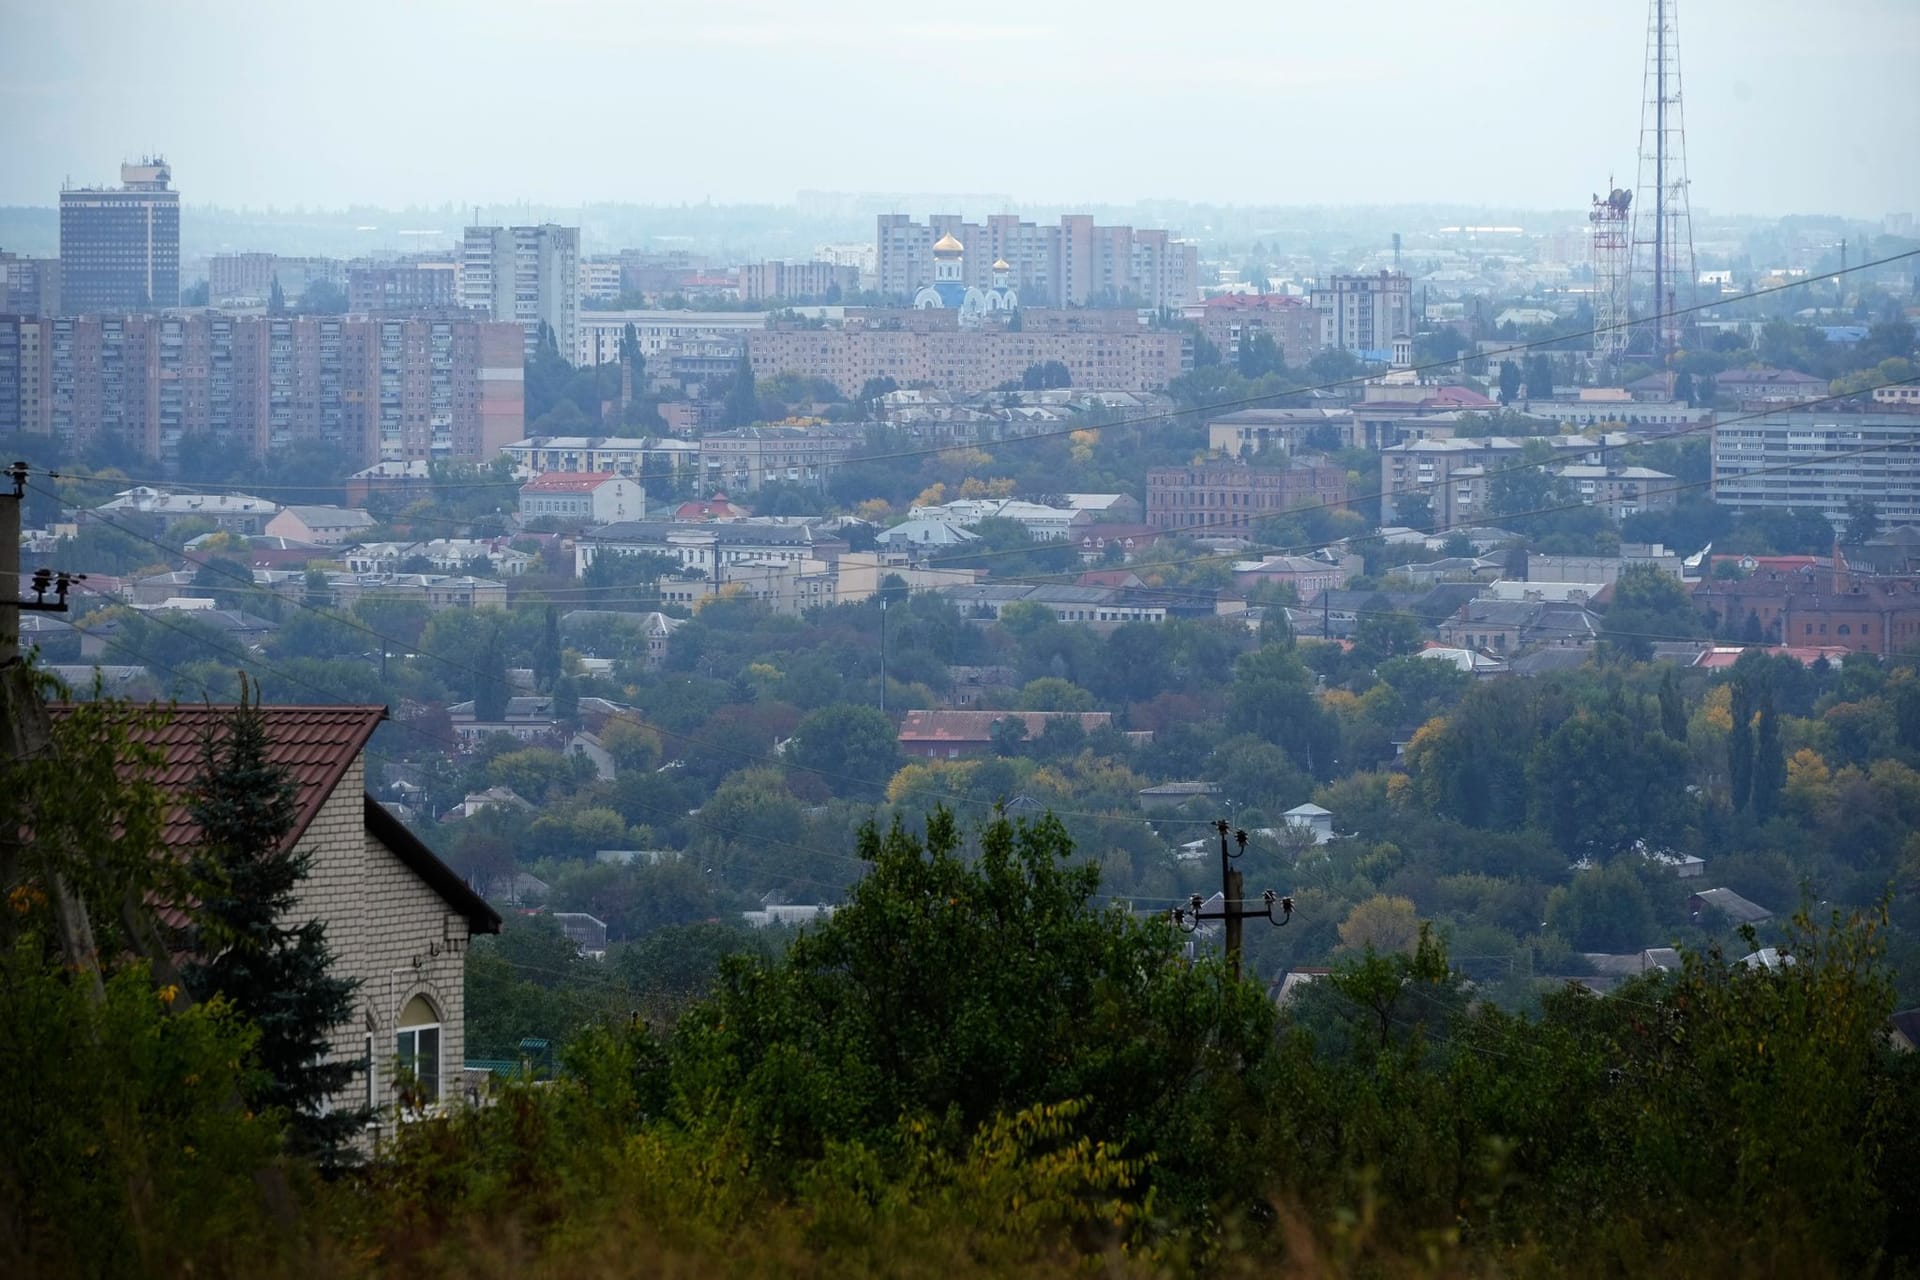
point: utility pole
(1233, 908)
(883, 649)
(26, 732)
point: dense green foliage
(272, 972)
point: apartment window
(417, 1049)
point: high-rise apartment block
(1077, 263)
(600, 278)
(403, 288)
(529, 275)
(1820, 460)
(29, 286)
(1365, 314)
(767, 281)
(250, 277)
(1105, 350)
(375, 388)
(120, 246)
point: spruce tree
(1740, 744)
(1769, 760)
(273, 970)
(1673, 712)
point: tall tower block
(1610, 251)
(1663, 266)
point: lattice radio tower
(1663, 268)
(1610, 245)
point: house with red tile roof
(582, 498)
(398, 920)
(951, 735)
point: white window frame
(406, 1056)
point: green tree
(1272, 697)
(1740, 766)
(1607, 909)
(1510, 381)
(1046, 375)
(1649, 606)
(1863, 522)
(1051, 693)
(250, 950)
(547, 654)
(853, 747)
(956, 988)
(1540, 376)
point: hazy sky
(1791, 105)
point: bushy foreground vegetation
(974, 1069)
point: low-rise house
(234, 512)
(971, 684)
(1310, 820)
(1767, 386)
(238, 629)
(1451, 569)
(1470, 661)
(397, 919)
(711, 548)
(1103, 608)
(439, 555)
(436, 591)
(492, 798)
(319, 526)
(528, 718)
(1735, 908)
(1042, 523)
(1307, 575)
(1171, 795)
(587, 933)
(951, 735)
(583, 497)
(398, 478)
(1506, 625)
(588, 746)
(1106, 508)
(1094, 539)
(655, 627)
(921, 534)
(790, 915)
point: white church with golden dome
(949, 289)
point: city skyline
(1235, 104)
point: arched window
(417, 1048)
(1845, 630)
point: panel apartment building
(529, 275)
(378, 389)
(1073, 264)
(1819, 459)
(1104, 350)
(120, 246)
(1365, 314)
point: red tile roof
(568, 482)
(316, 744)
(977, 726)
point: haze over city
(1797, 108)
